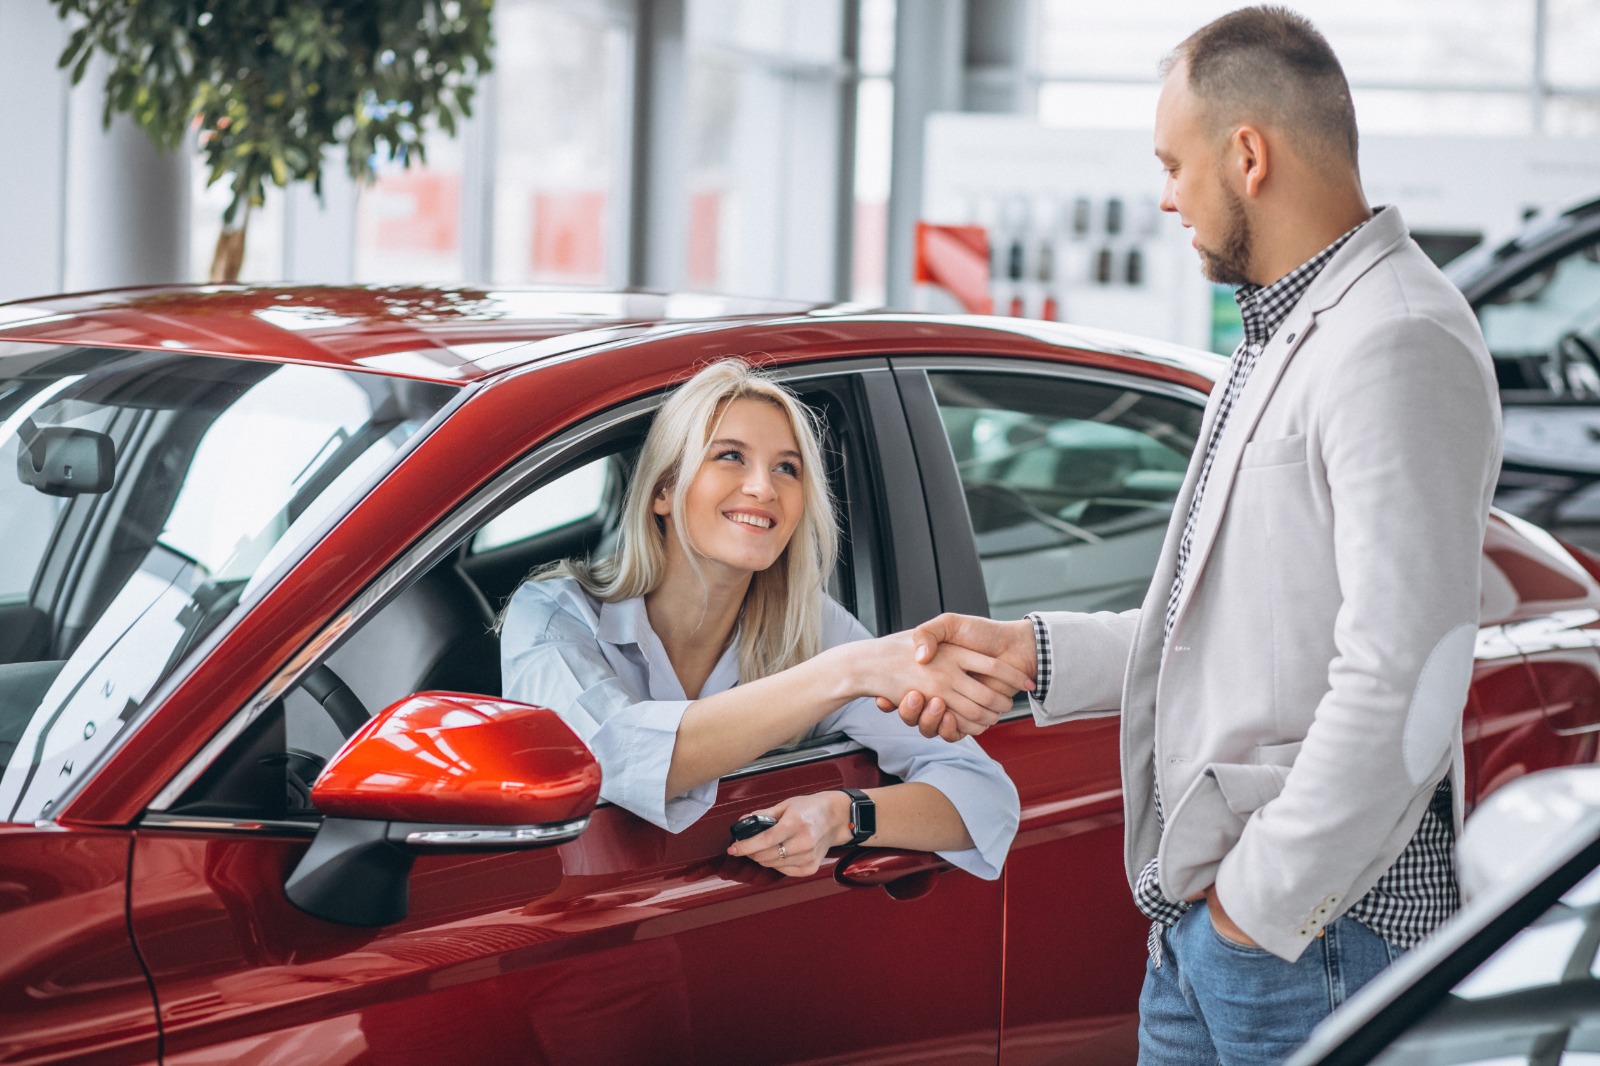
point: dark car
(261, 799)
(1537, 296)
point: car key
(750, 825)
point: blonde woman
(707, 639)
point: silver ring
(782, 851)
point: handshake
(963, 675)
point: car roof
(459, 335)
(1480, 268)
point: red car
(246, 521)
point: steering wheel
(348, 714)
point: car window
(1532, 1002)
(1069, 484)
(570, 498)
(173, 485)
(439, 632)
(1544, 330)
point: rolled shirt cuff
(635, 752)
(989, 809)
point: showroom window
(768, 84)
(1415, 66)
(559, 146)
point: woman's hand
(807, 827)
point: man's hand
(1011, 642)
(1220, 921)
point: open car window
(149, 494)
(440, 631)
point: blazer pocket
(1246, 787)
(1279, 451)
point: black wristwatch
(863, 816)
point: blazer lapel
(1247, 409)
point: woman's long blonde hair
(781, 622)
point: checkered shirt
(1419, 890)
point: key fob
(750, 825)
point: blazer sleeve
(1410, 443)
(551, 657)
(963, 772)
(1088, 661)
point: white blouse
(604, 670)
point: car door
(1051, 486)
(628, 944)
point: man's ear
(1249, 159)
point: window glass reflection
(1069, 485)
(1536, 1000)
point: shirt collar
(1264, 307)
(623, 621)
(627, 622)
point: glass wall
(1434, 66)
(560, 141)
(767, 89)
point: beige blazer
(1310, 697)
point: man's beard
(1230, 264)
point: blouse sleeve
(975, 784)
(551, 657)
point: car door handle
(903, 874)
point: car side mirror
(438, 771)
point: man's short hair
(1270, 64)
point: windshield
(143, 496)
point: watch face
(864, 815)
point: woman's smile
(756, 521)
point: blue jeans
(1215, 1001)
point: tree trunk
(229, 256)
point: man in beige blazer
(1291, 689)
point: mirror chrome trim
(207, 824)
(499, 837)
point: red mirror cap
(458, 759)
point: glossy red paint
(626, 945)
(71, 987)
(1067, 897)
(454, 758)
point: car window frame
(897, 529)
